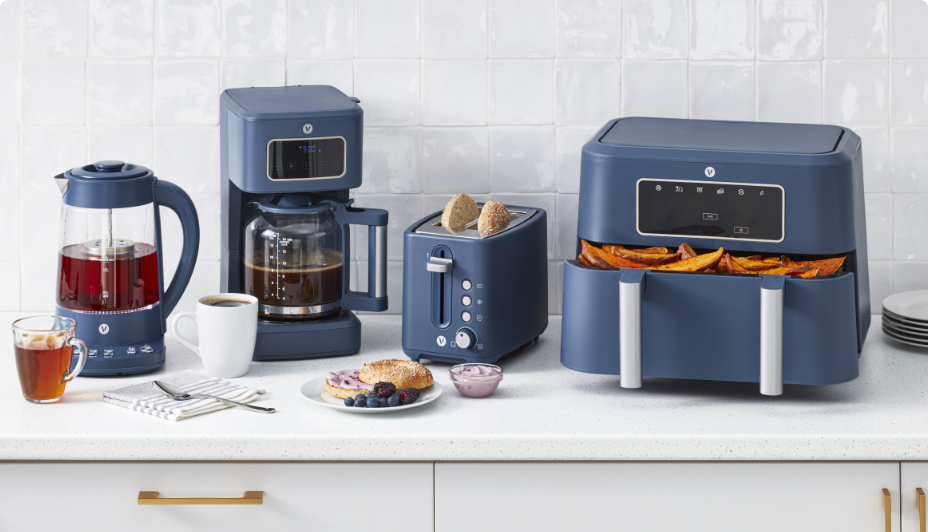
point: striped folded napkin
(148, 399)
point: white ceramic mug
(227, 333)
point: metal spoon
(179, 395)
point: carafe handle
(375, 300)
(169, 195)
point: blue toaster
(752, 188)
(472, 299)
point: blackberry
(409, 396)
(384, 389)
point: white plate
(904, 329)
(314, 390)
(907, 321)
(912, 305)
(897, 338)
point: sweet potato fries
(685, 259)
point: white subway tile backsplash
(184, 93)
(910, 160)
(339, 74)
(879, 226)
(909, 20)
(187, 28)
(909, 82)
(552, 288)
(39, 216)
(431, 204)
(910, 218)
(172, 239)
(570, 141)
(54, 28)
(521, 91)
(9, 284)
(522, 159)
(203, 282)
(655, 29)
(548, 202)
(9, 206)
(455, 160)
(38, 286)
(909, 276)
(53, 93)
(404, 209)
(9, 91)
(589, 28)
(454, 29)
(568, 209)
(454, 93)
(9, 160)
(11, 28)
(188, 157)
(388, 29)
(119, 93)
(254, 28)
(560, 287)
(522, 28)
(589, 92)
(881, 284)
(856, 28)
(722, 91)
(789, 92)
(236, 73)
(789, 30)
(389, 91)
(857, 92)
(391, 161)
(394, 285)
(655, 88)
(70, 151)
(878, 176)
(129, 144)
(122, 28)
(721, 29)
(321, 29)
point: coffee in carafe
(311, 281)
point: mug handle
(81, 360)
(177, 317)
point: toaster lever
(439, 265)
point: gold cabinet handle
(888, 509)
(153, 497)
(920, 499)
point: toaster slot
(440, 267)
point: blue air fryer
(110, 276)
(468, 298)
(752, 188)
(290, 156)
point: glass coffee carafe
(293, 258)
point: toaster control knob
(465, 338)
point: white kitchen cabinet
(102, 497)
(658, 497)
(914, 476)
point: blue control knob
(465, 338)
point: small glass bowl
(476, 385)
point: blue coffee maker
(110, 274)
(290, 156)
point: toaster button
(465, 338)
(465, 284)
(466, 301)
(465, 316)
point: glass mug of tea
(44, 346)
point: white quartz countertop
(542, 411)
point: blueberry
(373, 402)
(349, 401)
(360, 403)
(393, 400)
(360, 396)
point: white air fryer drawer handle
(631, 286)
(771, 334)
(439, 265)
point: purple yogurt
(476, 380)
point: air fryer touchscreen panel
(308, 158)
(710, 210)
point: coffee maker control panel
(306, 158)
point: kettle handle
(169, 195)
(375, 300)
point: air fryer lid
(668, 133)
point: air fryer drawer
(699, 326)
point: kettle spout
(62, 182)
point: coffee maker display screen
(307, 158)
(711, 210)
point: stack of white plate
(905, 317)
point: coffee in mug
(227, 327)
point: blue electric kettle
(110, 275)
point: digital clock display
(312, 158)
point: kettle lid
(294, 203)
(110, 170)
